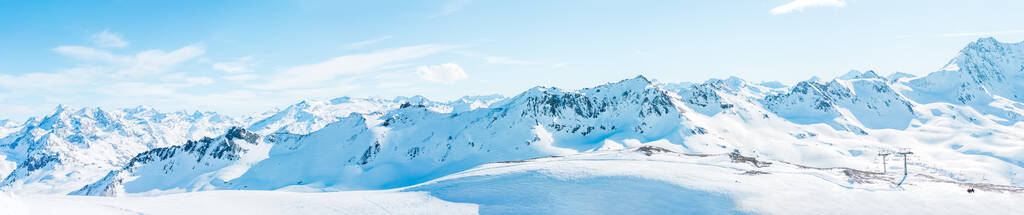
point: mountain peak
(987, 41)
(636, 82)
(990, 45)
(303, 104)
(869, 74)
(639, 78)
(59, 109)
(853, 73)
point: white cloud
(128, 89)
(799, 5)
(322, 73)
(68, 79)
(103, 77)
(447, 73)
(240, 65)
(360, 44)
(108, 39)
(192, 81)
(91, 54)
(159, 61)
(144, 63)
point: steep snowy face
(705, 98)
(309, 116)
(197, 165)
(731, 95)
(987, 75)
(807, 102)
(635, 102)
(864, 100)
(415, 143)
(468, 103)
(72, 147)
(875, 104)
(983, 66)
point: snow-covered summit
(854, 74)
(982, 69)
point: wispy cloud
(447, 73)
(144, 63)
(451, 7)
(799, 5)
(322, 73)
(109, 39)
(240, 65)
(507, 60)
(43, 81)
(364, 43)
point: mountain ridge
(372, 143)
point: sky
(247, 57)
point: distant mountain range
(964, 122)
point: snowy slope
(987, 75)
(308, 116)
(962, 123)
(852, 103)
(414, 143)
(196, 165)
(842, 122)
(70, 148)
(641, 180)
(238, 202)
(651, 180)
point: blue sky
(248, 57)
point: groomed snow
(238, 202)
(623, 181)
(629, 182)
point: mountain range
(963, 124)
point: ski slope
(644, 180)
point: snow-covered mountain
(309, 116)
(962, 122)
(414, 143)
(852, 103)
(59, 152)
(209, 160)
(987, 75)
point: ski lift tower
(904, 152)
(884, 153)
